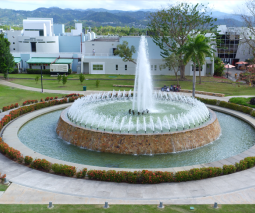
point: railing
(98, 54)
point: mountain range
(98, 16)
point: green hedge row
(237, 107)
(46, 71)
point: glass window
(97, 67)
(117, 67)
(197, 68)
(151, 67)
(125, 67)
(155, 67)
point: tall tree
(171, 27)
(125, 52)
(196, 49)
(6, 59)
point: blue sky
(226, 6)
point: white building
(42, 43)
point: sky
(227, 6)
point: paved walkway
(32, 186)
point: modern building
(233, 47)
(42, 43)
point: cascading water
(143, 89)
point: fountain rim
(13, 141)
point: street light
(41, 79)
(228, 70)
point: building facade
(42, 43)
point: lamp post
(41, 79)
(228, 70)
(194, 81)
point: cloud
(223, 6)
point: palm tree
(196, 50)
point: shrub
(250, 161)
(51, 98)
(97, 83)
(228, 169)
(38, 71)
(16, 105)
(28, 160)
(56, 97)
(182, 176)
(81, 77)
(64, 169)
(41, 164)
(64, 79)
(47, 98)
(82, 173)
(36, 79)
(59, 78)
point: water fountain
(138, 122)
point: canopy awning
(41, 60)
(49, 61)
(64, 61)
(17, 60)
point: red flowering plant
(82, 173)
(28, 160)
(41, 164)
(16, 105)
(56, 97)
(47, 98)
(51, 98)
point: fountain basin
(156, 143)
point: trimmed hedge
(38, 71)
(233, 106)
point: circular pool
(40, 135)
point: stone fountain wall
(138, 143)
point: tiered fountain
(139, 122)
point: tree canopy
(171, 27)
(6, 59)
(125, 52)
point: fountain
(138, 122)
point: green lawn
(10, 95)
(3, 187)
(242, 101)
(126, 208)
(107, 85)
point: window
(169, 69)
(97, 67)
(151, 67)
(155, 67)
(50, 41)
(197, 68)
(117, 67)
(13, 48)
(13, 42)
(93, 44)
(125, 67)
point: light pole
(41, 79)
(194, 80)
(228, 70)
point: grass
(114, 77)
(3, 188)
(242, 101)
(105, 85)
(10, 95)
(18, 208)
